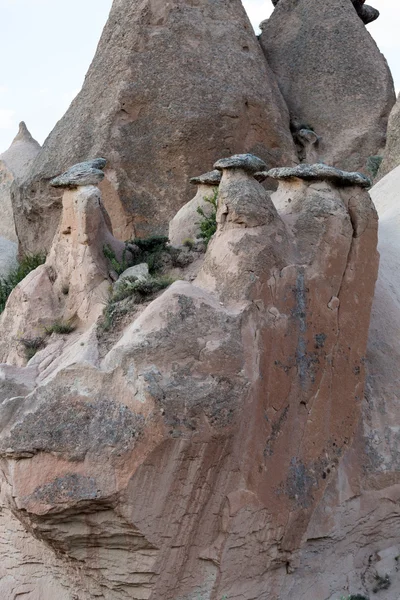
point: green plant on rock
(61, 327)
(373, 164)
(31, 345)
(151, 250)
(119, 267)
(29, 263)
(208, 223)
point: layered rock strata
(333, 77)
(14, 164)
(173, 87)
(191, 460)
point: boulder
(139, 272)
(186, 223)
(189, 84)
(333, 77)
(14, 164)
(391, 156)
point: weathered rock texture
(189, 84)
(392, 151)
(14, 164)
(72, 286)
(191, 461)
(332, 76)
(366, 13)
(8, 256)
(186, 223)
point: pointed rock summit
(14, 164)
(173, 87)
(333, 77)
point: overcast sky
(47, 45)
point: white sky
(46, 47)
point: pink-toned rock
(193, 460)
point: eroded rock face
(333, 78)
(190, 462)
(391, 157)
(366, 13)
(14, 164)
(72, 286)
(189, 84)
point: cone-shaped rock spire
(173, 87)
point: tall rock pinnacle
(173, 86)
(333, 77)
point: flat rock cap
(211, 178)
(85, 173)
(247, 162)
(322, 172)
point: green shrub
(119, 267)
(7, 284)
(208, 223)
(373, 164)
(62, 327)
(31, 345)
(151, 250)
(188, 242)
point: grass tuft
(29, 263)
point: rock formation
(366, 13)
(14, 164)
(8, 256)
(185, 224)
(332, 76)
(188, 84)
(191, 460)
(72, 285)
(392, 151)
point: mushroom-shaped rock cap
(86, 173)
(211, 178)
(321, 172)
(260, 176)
(247, 162)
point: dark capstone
(247, 162)
(211, 178)
(86, 173)
(321, 172)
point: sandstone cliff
(173, 86)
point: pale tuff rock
(333, 77)
(186, 223)
(139, 272)
(73, 284)
(391, 157)
(14, 164)
(188, 428)
(189, 84)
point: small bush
(381, 583)
(31, 345)
(61, 327)
(208, 223)
(373, 164)
(151, 251)
(119, 267)
(29, 263)
(188, 242)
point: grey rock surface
(14, 164)
(247, 162)
(8, 256)
(391, 157)
(86, 173)
(140, 272)
(173, 87)
(332, 76)
(320, 172)
(211, 178)
(366, 13)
